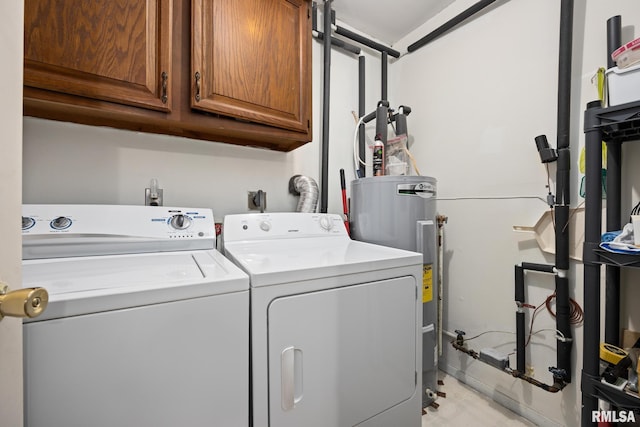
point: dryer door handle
(291, 377)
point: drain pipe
(324, 166)
(563, 180)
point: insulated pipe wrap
(326, 99)
(562, 237)
(308, 190)
(563, 188)
(519, 297)
(614, 38)
(563, 324)
(520, 344)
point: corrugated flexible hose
(307, 189)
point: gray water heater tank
(384, 209)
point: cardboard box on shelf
(629, 338)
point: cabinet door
(340, 356)
(252, 60)
(110, 50)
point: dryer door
(341, 356)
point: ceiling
(386, 21)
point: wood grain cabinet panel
(249, 60)
(111, 50)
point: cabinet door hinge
(165, 78)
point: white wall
(480, 95)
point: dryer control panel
(51, 231)
(282, 225)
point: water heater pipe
(442, 220)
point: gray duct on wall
(307, 189)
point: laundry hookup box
(623, 85)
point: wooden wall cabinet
(236, 71)
(247, 60)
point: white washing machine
(147, 325)
(335, 323)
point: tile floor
(464, 406)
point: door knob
(27, 302)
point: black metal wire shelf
(619, 260)
(614, 125)
(620, 398)
(620, 123)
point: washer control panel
(282, 225)
(118, 227)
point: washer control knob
(180, 222)
(265, 225)
(326, 223)
(27, 222)
(60, 223)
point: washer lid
(288, 260)
(101, 283)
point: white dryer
(335, 323)
(147, 325)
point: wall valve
(558, 374)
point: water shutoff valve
(153, 194)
